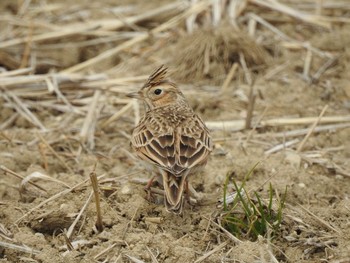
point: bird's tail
(173, 188)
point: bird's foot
(148, 190)
(192, 196)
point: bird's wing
(153, 144)
(174, 149)
(193, 145)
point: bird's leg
(148, 188)
(187, 192)
(191, 195)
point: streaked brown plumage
(170, 136)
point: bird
(170, 137)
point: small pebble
(41, 235)
(302, 185)
(219, 179)
(293, 159)
(126, 190)
(339, 177)
(64, 207)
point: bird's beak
(135, 95)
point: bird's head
(158, 91)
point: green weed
(249, 216)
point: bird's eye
(157, 91)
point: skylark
(170, 137)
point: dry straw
(209, 53)
(85, 96)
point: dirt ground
(35, 218)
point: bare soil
(316, 222)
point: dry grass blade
(15, 72)
(247, 74)
(229, 77)
(269, 75)
(135, 260)
(54, 197)
(103, 252)
(155, 220)
(4, 135)
(127, 44)
(250, 134)
(216, 12)
(6, 170)
(281, 146)
(235, 9)
(304, 120)
(116, 82)
(191, 21)
(274, 5)
(236, 125)
(323, 68)
(208, 254)
(55, 153)
(87, 28)
(107, 54)
(342, 171)
(88, 129)
(272, 256)
(43, 156)
(9, 122)
(229, 198)
(22, 109)
(94, 184)
(312, 128)
(59, 115)
(211, 52)
(266, 248)
(27, 48)
(118, 114)
(292, 43)
(5, 233)
(252, 27)
(19, 248)
(53, 85)
(250, 108)
(68, 243)
(227, 233)
(38, 175)
(323, 222)
(153, 257)
(307, 64)
(72, 226)
(39, 81)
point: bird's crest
(157, 77)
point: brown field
(271, 80)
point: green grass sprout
(249, 216)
